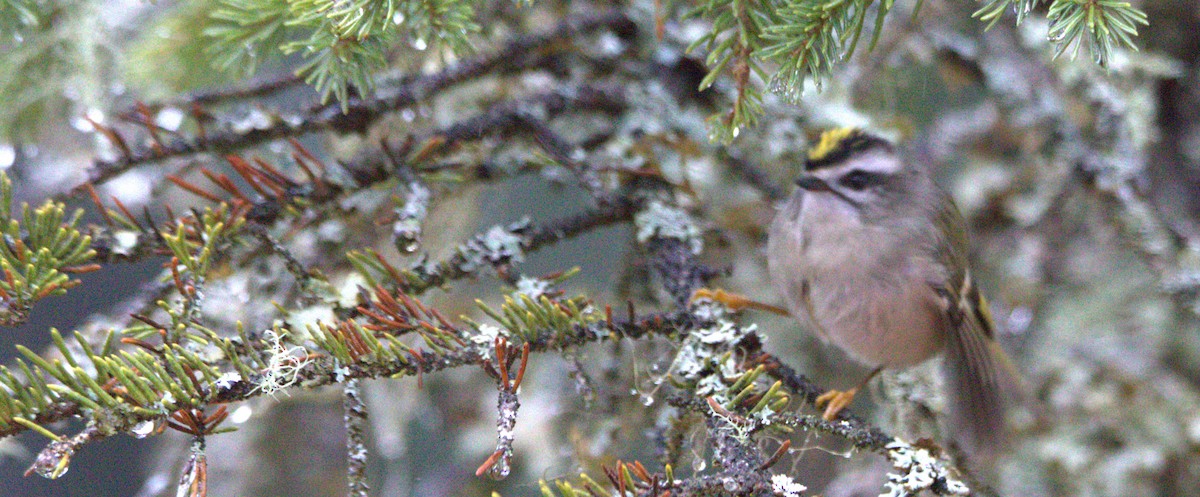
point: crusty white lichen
(348, 291)
(308, 318)
(487, 335)
(702, 358)
(659, 220)
(918, 469)
(227, 379)
(532, 287)
(407, 228)
(784, 485)
(125, 242)
(499, 244)
(725, 332)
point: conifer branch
(359, 113)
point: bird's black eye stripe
(860, 180)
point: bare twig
(355, 416)
(359, 113)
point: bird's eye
(860, 180)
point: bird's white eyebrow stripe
(874, 161)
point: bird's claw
(835, 401)
(735, 302)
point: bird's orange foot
(834, 401)
(733, 301)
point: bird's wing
(982, 379)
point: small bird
(872, 255)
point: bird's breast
(858, 289)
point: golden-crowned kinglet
(872, 255)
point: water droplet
(1099, 54)
(730, 484)
(53, 472)
(144, 429)
(647, 400)
(1055, 35)
(169, 118)
(8, 155)
(54, 460)
(699, 464)
(241, 414)
(409, 247)
(500, 470)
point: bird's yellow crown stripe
(831, 141)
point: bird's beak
(813, 184)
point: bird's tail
(983, 383)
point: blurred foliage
(805, 39)
(343, 45)
(16, 16)
(46, 60)
(1103, 25)
(162, 60)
